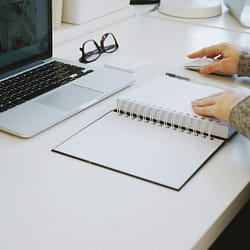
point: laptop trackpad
(69, 97)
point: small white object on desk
(126, 63)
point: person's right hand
(219, 105)
(227, 54)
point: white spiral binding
(195, 125)
(166, 114)
(153, 115)
(191, 124)
(180, 122)
(211, 128)
(187, 122)
(138, 114)
(118, 106)
(134, 110)
(144, 112)
(150, 112)
(158, 116)
(129, 108)
(169, 119)
(164, 117)
(173, 120)
(204, 126)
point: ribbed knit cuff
(244, 64)
(239, 117)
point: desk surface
(49, 201)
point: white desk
(49, 201)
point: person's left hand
(219, 104)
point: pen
(177, 76)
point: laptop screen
(25, 32)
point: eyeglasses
(91, 51)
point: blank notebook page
(148, 151)
(170, 93)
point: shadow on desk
(237, 234)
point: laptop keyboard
(30, 84)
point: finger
(206, 101)
(213, 67)
(205, 111)
(203, 102)
(196, 54)
(211, 52)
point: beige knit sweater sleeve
(239, 117)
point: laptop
(25, 54)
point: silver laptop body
(25, 43)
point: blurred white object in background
(191, 8)
(81, 11)
(57, 6)
(240, 9)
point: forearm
(244, 64)
(239, 117)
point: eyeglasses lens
(109, 43)
(91, 50)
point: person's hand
(219, 104)
(227, 54)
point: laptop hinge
(21, 69)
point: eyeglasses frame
(100, 49)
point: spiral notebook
(152, 134)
